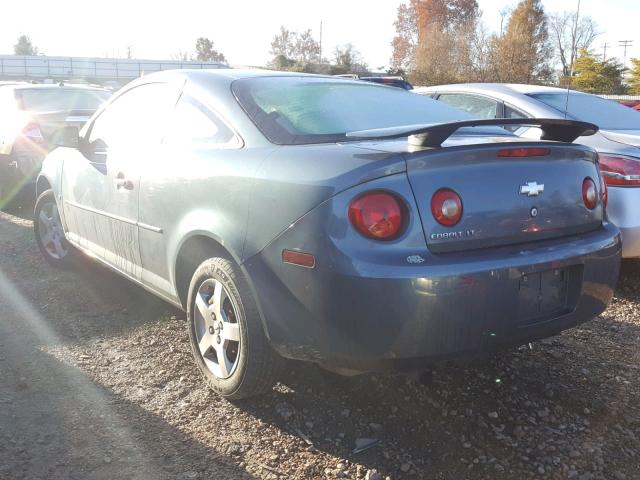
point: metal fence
(41, 67)
(621, 97)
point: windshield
(57, 99)
(299, 110)
(607, 114)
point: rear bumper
(623, 211)
(380, 316)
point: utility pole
(604, 55)
(625, 44)
(320, 62)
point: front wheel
(227, 338)
(49, 232)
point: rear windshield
(61, 99)
(299, 110)
(607, 114)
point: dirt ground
(97, 382)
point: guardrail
(28, 67)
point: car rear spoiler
(433, 135)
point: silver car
(617, 142)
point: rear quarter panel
(295, 179)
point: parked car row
(29, 114)
(333, 220)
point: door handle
(122, 182)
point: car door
(192, 185)
(100, 185)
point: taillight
(620, 171)
(604, 191)
(524, 152)
(589, 193)
(377, 215)
(446, 207)
(32, 132)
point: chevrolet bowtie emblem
(531, 189)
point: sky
(243, 29)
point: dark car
(328, 220)
(390, 81)
(29, 114)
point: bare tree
(348, 59)
(182, 55)
(293, 50)
(569, 38)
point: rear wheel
(227, 338)
(49, 232)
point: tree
(182, 55)
(25, 47)
(433, 39)
(634, 77)
(523, 52)
(297, 51)
(593, 75)
(306, 49)
(206, 53)
(283, 44)
(348, 60)
(406, 38)
(569, 37)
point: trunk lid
(51, 121)
(495, 210)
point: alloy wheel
(51, 232)
(217, 329)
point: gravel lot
(97, 381)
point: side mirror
(66, 137)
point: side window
(479, 107)
(511, 112)
(192, 122)
(138, 117)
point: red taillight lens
(377, 215)
(446, 207)
(604, 191)
(32, 132)
(524, 152)
(620, 171)
(589, 193)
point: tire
(49, 232)
(224, 322)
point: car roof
(496, 88)
(226, 75)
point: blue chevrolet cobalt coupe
(341, 222)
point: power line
(625, 44)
